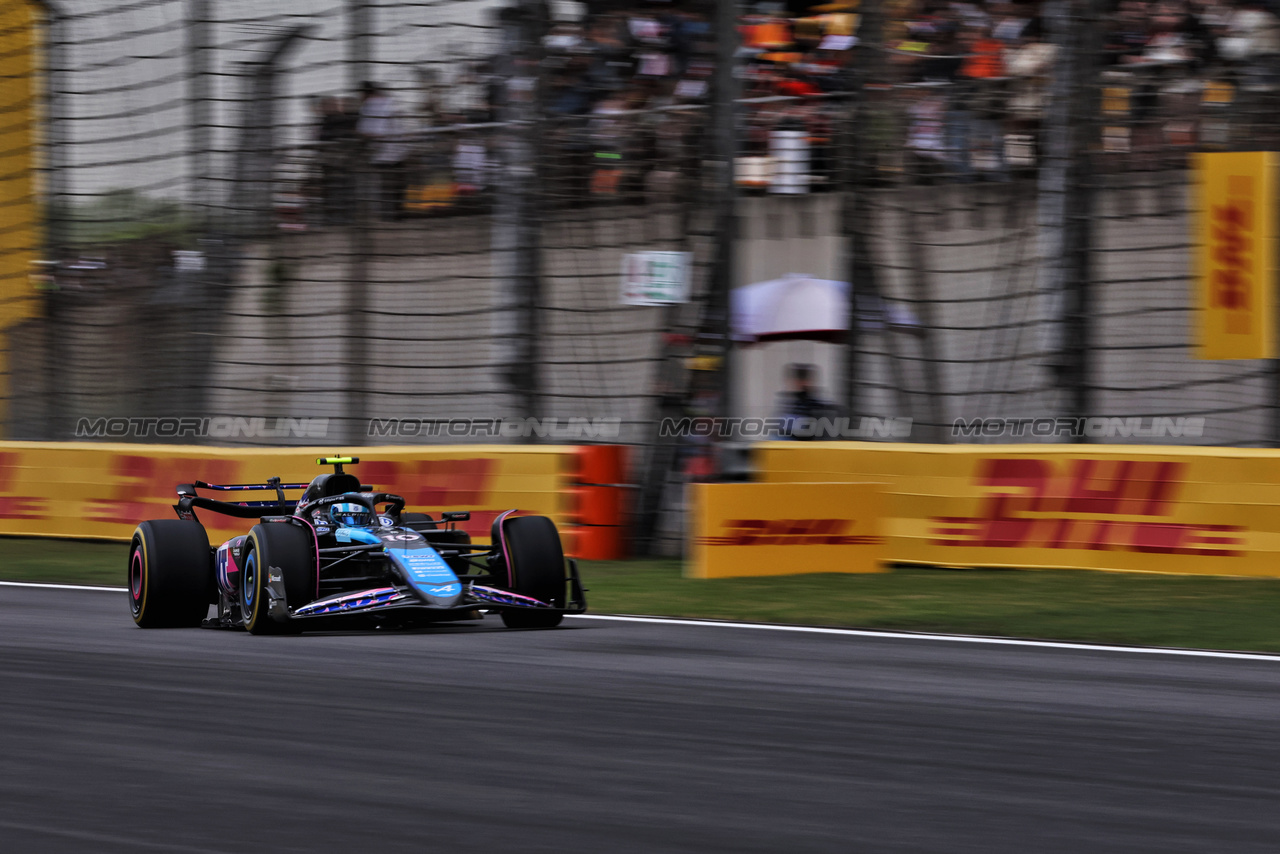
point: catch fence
(232, 226)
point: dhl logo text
(788, 532)
(1231, 254)
(1087, 504)
(451, 484)
(17, 506)
(435, 485)
(144, 487)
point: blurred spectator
(1129, 32)
(1249, 31)
(982, 103)
(1166, 37)
(467, 99)
(983, 55)
(608, 132)
(381, 127)
(1011, 23)
(927, 129)
(611, 61)
(801, 401)
(337, 137)
(1250, 41)
(1029, 64)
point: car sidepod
(227, 566)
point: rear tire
(535, 567)
(276, 547)
(170, 574)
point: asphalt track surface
(616, 737)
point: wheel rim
(249, 585)
(135, 579)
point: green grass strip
(1106, 607)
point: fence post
(516, 221)
(359, 37)
(199, 74)
(1067, 195)
(57, 214)
(725, 141)
(855, 209)
(356, 353)
(359, 234)
(1272, 438)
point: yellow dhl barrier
(102, 491)
(1235, 236)
(744, 529)
(20, 213)
(1209, 511)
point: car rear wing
(230, 487)
(189, 500)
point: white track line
(995, 641)
(62, 586)
(819, 630)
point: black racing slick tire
(170, 574)
(276, 548)
(535, 567)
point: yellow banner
(102, 491)
(20, 236)
(1208, 511)
(1236, 256)
(744, 529)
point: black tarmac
(616, 737)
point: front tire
(276, 547)
(535, 568)
(170, 574)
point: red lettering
(1162, 479)
(22, 507)
(1158, 537)
(1231, 252)
(1097, 486)
(1021, 499)
(788, 532)
(144, 486)
(1015, 486)
(434, 484)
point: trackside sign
(655, 278)
(1203, 511)
(743, 529)
(1235, 235)
(104, 490)
(1099, 505)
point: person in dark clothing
(337, 140)
(801, 405)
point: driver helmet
(348, 514)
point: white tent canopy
(798, 307)
(795, 307)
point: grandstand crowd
(958, 88)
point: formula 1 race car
(343, 554)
